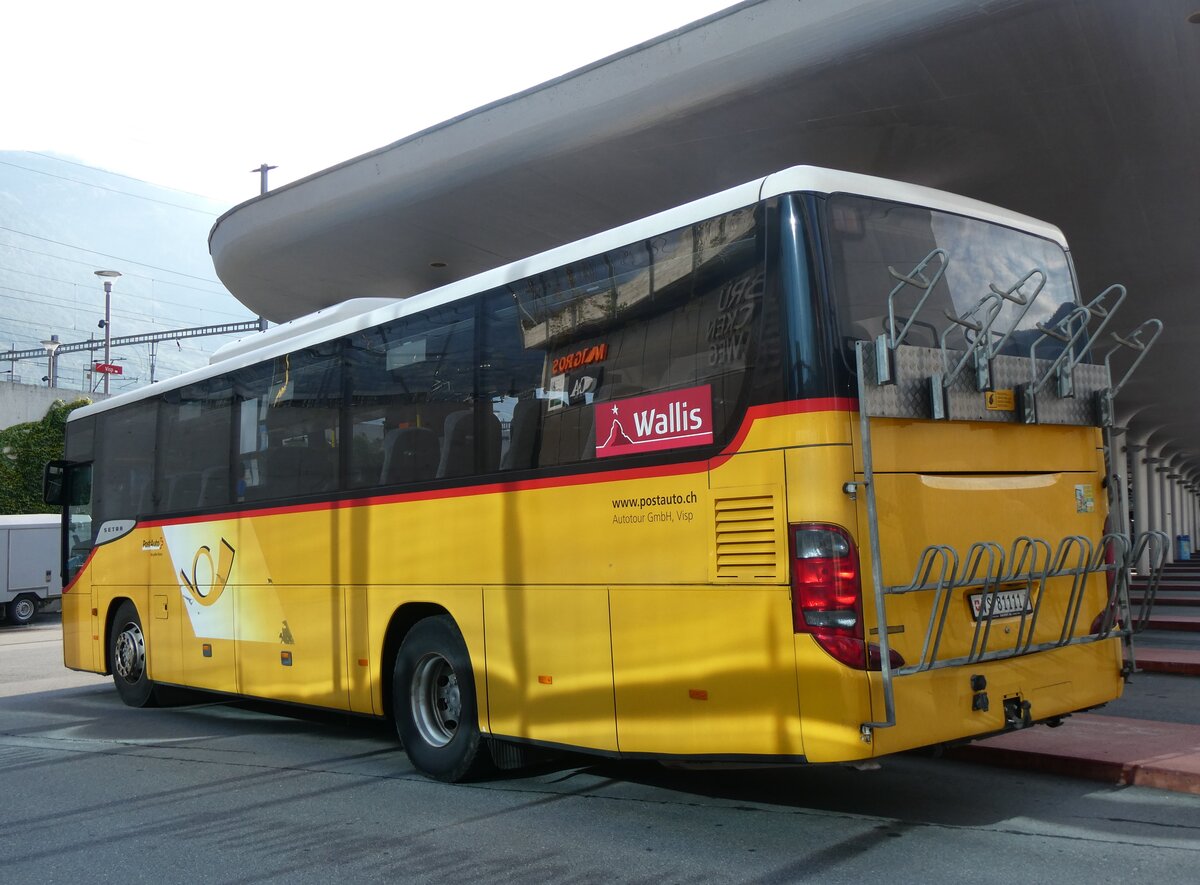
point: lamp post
(51, 344)
(108, 276)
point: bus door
(69, 485)
(203, 557)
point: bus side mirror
(67, 484)
(54, 483)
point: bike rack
(886, 344)
(1068, 332)
(1041, 571)
(896, 379)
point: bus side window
(289, 418)
(194, 425)
(123, 482)
(679, 311)
(510, 375)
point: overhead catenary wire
(113, 190)
(122, 314)
(135, 276)
(119, 258)
(120, 175)
(155, 297)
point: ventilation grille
(747, 539)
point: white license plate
(1005, 603)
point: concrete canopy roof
(1079, 112)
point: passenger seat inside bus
(523, 434)
(183, 492)
(410, 454)
(458, 444)
(299, 470)
(214, 486)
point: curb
(1163, 755)
(1161, 599)
(1185, 662)
(1178, 623)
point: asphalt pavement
(1148, 737)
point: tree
(24, 451)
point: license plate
(1005, 603)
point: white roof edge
(360, 313)
(295, 328)
(832, 181)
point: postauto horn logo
(656, 421)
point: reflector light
(546, 680)
(698, 694)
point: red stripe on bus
(79, 574)
(792, 407)
(773, 410)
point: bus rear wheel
(433, 699)
(21, 610)
(127, 656)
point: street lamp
(51, 344)
(108, 276)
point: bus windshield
(869, 236)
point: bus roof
(357, 314)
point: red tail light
(827, 595)
(1114, 625)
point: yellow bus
(809, 470)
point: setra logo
(112, 529)
(656, 421)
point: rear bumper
(940, 706)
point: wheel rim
(129, 654)
(23, 609)
(436, 700)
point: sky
(195, 96)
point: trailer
(29, 579)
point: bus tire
(127, 655)
(433, 699)
(21, 610)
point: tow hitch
(1017, 713)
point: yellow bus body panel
(79, 647)
(634, 612)
(719, 682)
(549, 665)
(1041, 482)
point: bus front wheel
(127, 655)
(433, 698)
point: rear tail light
(827, 595)
(1098, 625)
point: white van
(29, 578)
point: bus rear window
(867, 237)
